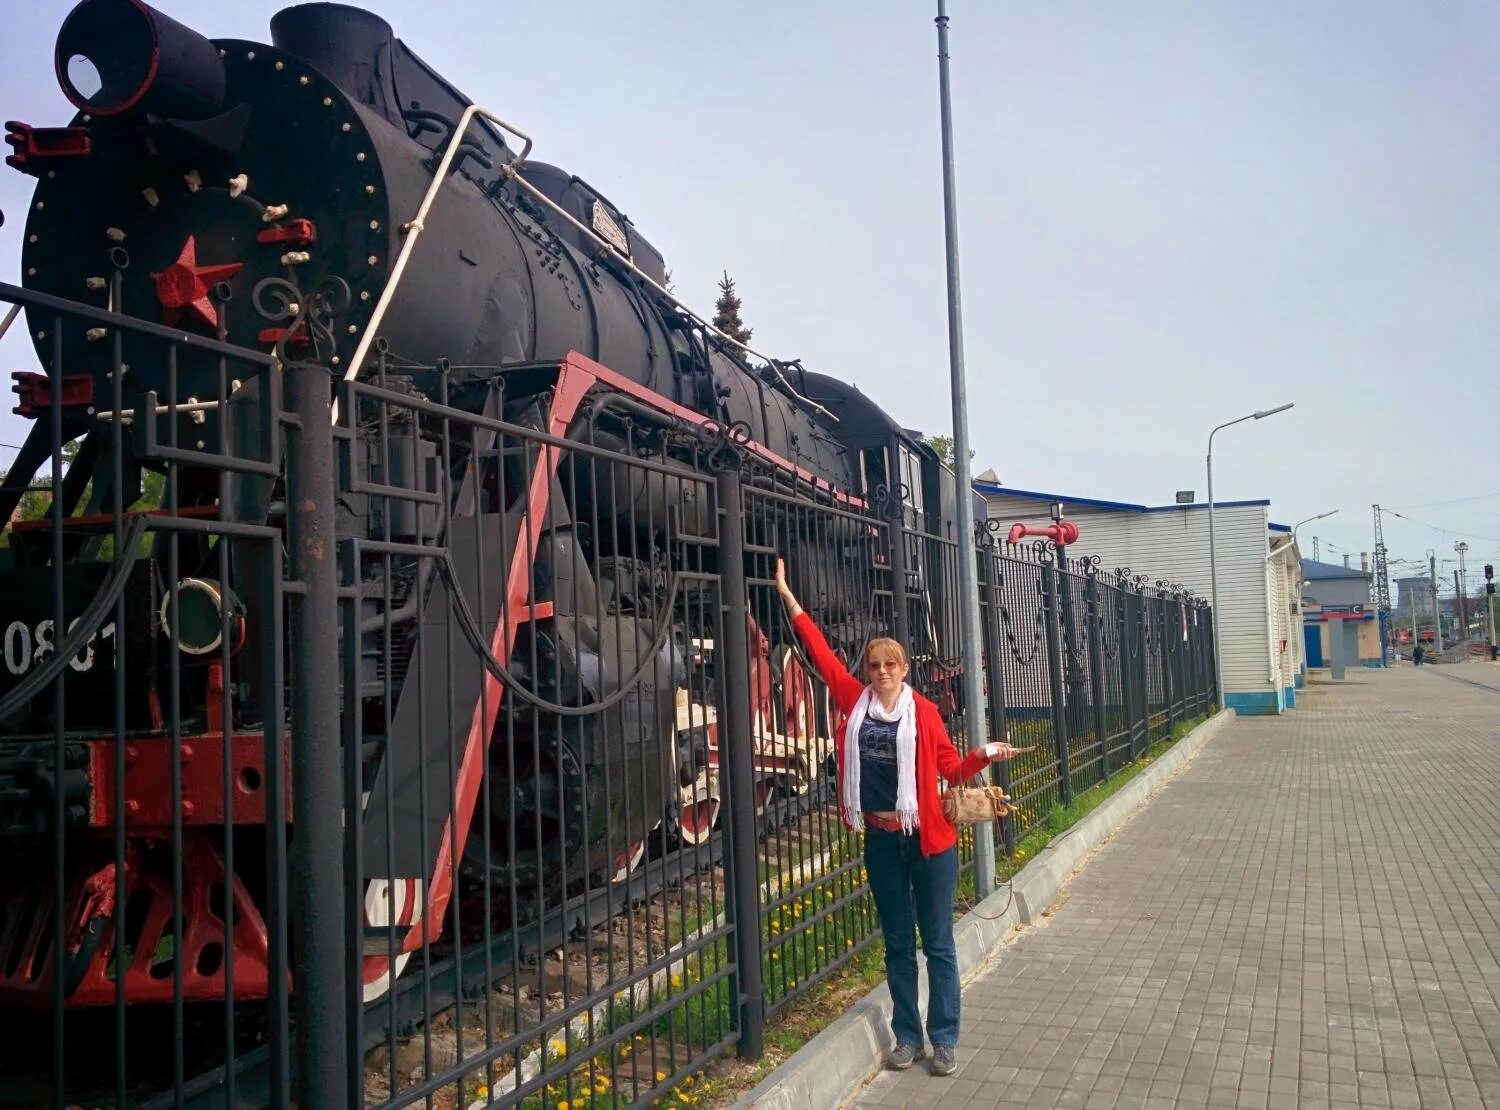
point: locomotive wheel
(389, 904)
(627, 862)
(696, 822)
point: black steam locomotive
(263, 194)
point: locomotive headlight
(113, 56)
(196, 623)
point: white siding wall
(1284, 608)
(1172, 545)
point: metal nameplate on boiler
(606, 228)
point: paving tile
(1250, 938)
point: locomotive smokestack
(119, 56)
(351, 47)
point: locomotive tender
(262, 194)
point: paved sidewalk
(1309, 916)
(1481, 671)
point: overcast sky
(1171, 214)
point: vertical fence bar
(56, 818)
(317, 773)
(900, 611)
(1052, 614)
(1096, 669)
(736, 738)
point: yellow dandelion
(562, 1104)
(676, 982)
(775, 955)
(660, 1076)
(481, 1091)
(558, 1047)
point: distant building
(1414, 593)
(1259, 575)
(1332, 595)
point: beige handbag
(974, 805)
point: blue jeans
(914, 891)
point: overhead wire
(1451, 501)
(1444, 531)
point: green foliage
(36, 502)
(727, 311)
(943, 445)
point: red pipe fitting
(1062, 533)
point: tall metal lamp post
(968, 561)
(1213, 559)
(1299, 523)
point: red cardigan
(936, 754)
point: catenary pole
(1437, 610)
(968, 562)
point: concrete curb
(837, 1062)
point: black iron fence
(438, 738)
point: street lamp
(1213, 561)
(1299, 523)
(968, 559)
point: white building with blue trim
(1260, 575)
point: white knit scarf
(905, 714)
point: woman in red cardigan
(889, 789)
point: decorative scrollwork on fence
(312, 313)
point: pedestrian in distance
(1416, 655)
(890, 753)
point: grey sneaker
(943, 1062)
(904, 1056)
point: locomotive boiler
(267, 195)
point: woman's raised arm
(845, 688)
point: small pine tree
(727, 312)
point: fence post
(1127, 682)
(1205, 665)
(1179, 636)
(1166, 661)
(994, 648)
(734, 734)
(1143, 669)
(1069, 648)
(1216, 679)
(317, 860)
(1096, 668)
(1179, 657)
(1055, 678)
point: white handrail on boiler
(512, 170)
